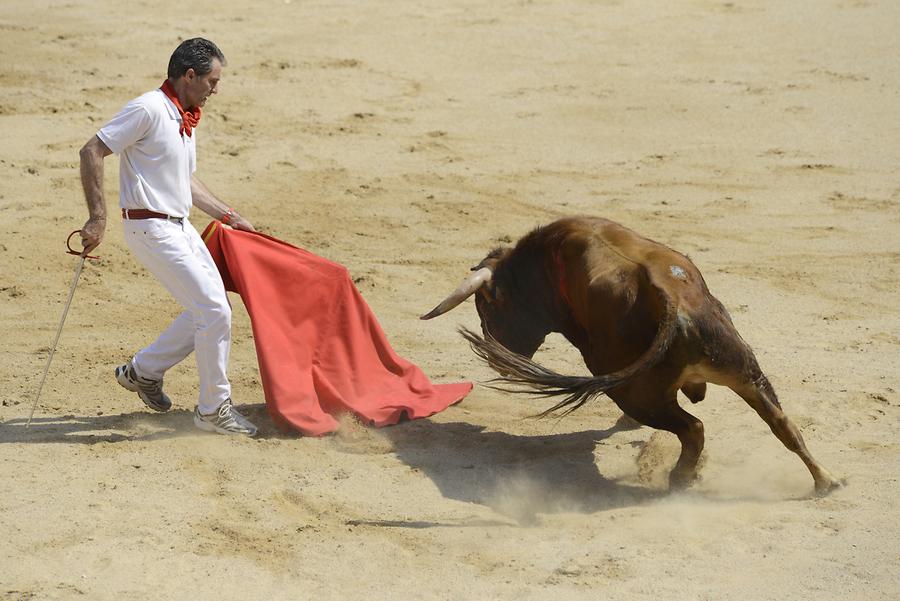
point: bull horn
(465, 290)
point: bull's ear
(478, 265)
(492, 259)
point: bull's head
(504, 315)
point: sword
(62, 321)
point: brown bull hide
(644, 321)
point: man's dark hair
(196, 54)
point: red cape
(321, 351)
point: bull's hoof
(679, 481)
(825, 486)
(825, 482)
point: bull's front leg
(667, 415)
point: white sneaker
(226, 420)
(150, 391)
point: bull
(643, 319)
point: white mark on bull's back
(677, 272)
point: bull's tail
(538, 380)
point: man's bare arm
(92, 155)
(207, 202)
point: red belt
(147, 214)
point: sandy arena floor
(405, 140)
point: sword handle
(72, 251)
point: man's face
(199, 88)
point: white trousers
(176, 255)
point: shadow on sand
(516, 476)
(120, 427)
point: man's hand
(206, 201)
(239, 223)
(92, 234)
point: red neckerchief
(189, 119)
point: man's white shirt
(155, 161)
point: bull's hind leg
(760, 395)
(669, 416)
